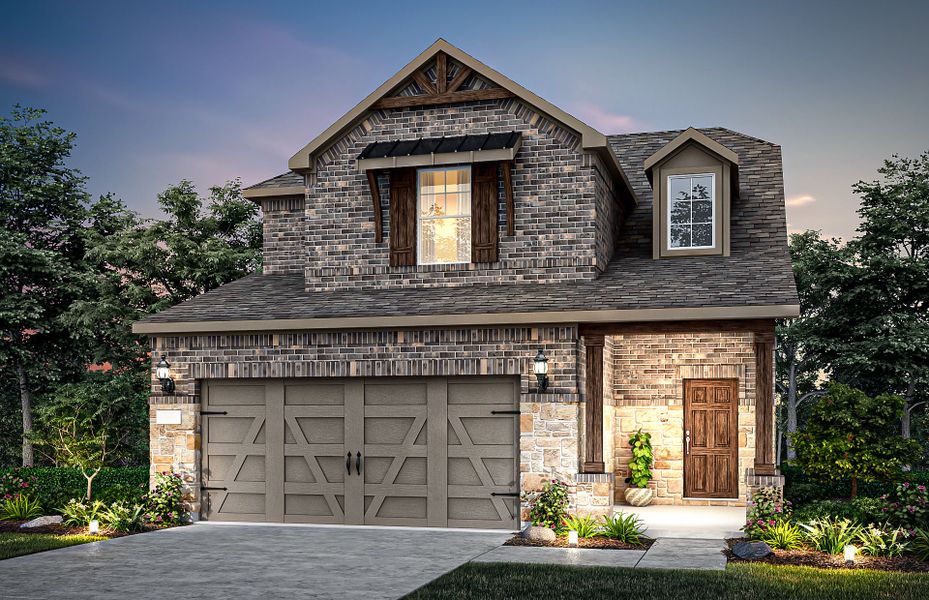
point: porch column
(593, 415)
(764, 402)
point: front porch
(703, 390)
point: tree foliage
(137, 267)
(43, 207)
(852, 435)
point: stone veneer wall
(549, 422)
(558, 237)
(282, 225)
(648, 374)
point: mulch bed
(821, 560)
(600, 543)
(61, 529)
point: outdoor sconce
(540, 367)
(163, 373)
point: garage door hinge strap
(504, 412)
(512, 494)
(203, 487)
(213, 412)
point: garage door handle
(348, 463)
(358, 463)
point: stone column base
(593, 494)
(755, 482)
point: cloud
(21, 74)
(800, 200)
(606, 121)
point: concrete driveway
(231, 561)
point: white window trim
(667, 215)
(419, 217)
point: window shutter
(484, 214)
(402, 217)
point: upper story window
(444, 215)
(691, 209)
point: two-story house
(467, 291)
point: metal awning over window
(440, 151)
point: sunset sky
(210, 91)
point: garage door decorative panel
(396, 485)
(482, 454)
(314, 451)
(234, 467)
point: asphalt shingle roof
(758, 272)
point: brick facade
(648, 375)
(566, 209)
(283, 225)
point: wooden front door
(711, 439)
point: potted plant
(640, 470)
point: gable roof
(591, 139)
(690, 135)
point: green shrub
(20, 507)
(586, 527)
(831, 535)
(919, 544)
(879, 541)
(123, 518)
(862, 511)
(907, 506)
(783, 535)
(13, 484)
(765, 510)
(624, 527)
(549, 507)
(55, 486)
(165, 504)
(80, 513)
(799, 488)
(640, 465)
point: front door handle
(358, 463)
(687, 442)
(348, 463)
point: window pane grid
(691, 211)
(444, 223)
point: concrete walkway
(223, 561)
(700, 522)
(665, 553)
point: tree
(42, 208)
(86, 424)
(798, 364)
(850, 435)
(891, 328)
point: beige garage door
(389, 451)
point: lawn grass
(18, 544)
(767, 582)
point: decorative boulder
(749, 550)
(538, 534)
(42, 521)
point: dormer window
(691, 211)
(694, 181)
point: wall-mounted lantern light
(540, 366)
(163, 373)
